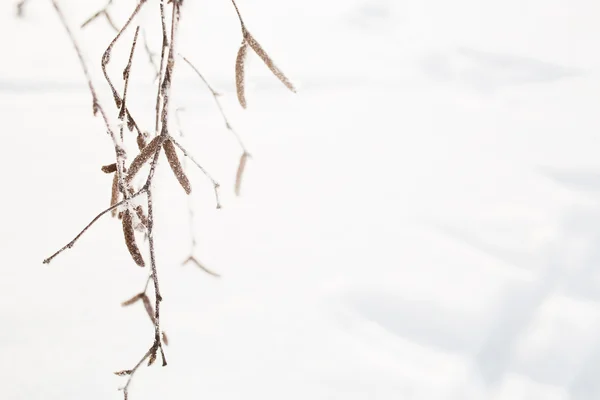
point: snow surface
(421, 221)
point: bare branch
(216, 95)
(21, 8)
(96, 218)
(194, 260)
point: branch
(88, 226)
(208, 176)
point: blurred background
(420, 221)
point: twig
(126, 74)
(150, 54)
(165, 44)
(212, 180)
(21, 8)
(193, 260)
(216, 95)
(102, 12)
(106, 59)
(131, 372)
(193, 241)
(96, 218)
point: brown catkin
(141, 142)
(267, 60)
(110, 168)
(141, 158)
(148, 307)
(114, 195)
(152, 357)
(140, 213)
(130, 239)
(171, 154)
(240, 173)
(239, 73)
(132, 300)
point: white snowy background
(421, 221)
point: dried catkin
(239, 73)
(110, 168)
(129, 234)
(141, 158)
(176, 167)
(132, 300)
(240, 173)
(267, 60)
(114, 195)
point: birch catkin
(267, 60)
(141, 158)
(129, 234)
(239, 73)
(176, 167)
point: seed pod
(240, 72)
(176, 167)
(130, 239)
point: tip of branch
(193, 260)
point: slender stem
(215, 95)
(204, 171)
(88, 226)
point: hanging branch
(193, 243)
(150, 54)
(106, 59)
(102, 13)
(245, 154)
(133, 216)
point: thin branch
(193, 241)
(212, 180)
(102, 12)
(126, 74)
(150, 54)
(193, 260)
(165, 44)
(216, 96)
(239, 15)
(88, 226)
(21, 8)
(106, 59)
(132, 372)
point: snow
(419, 222)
